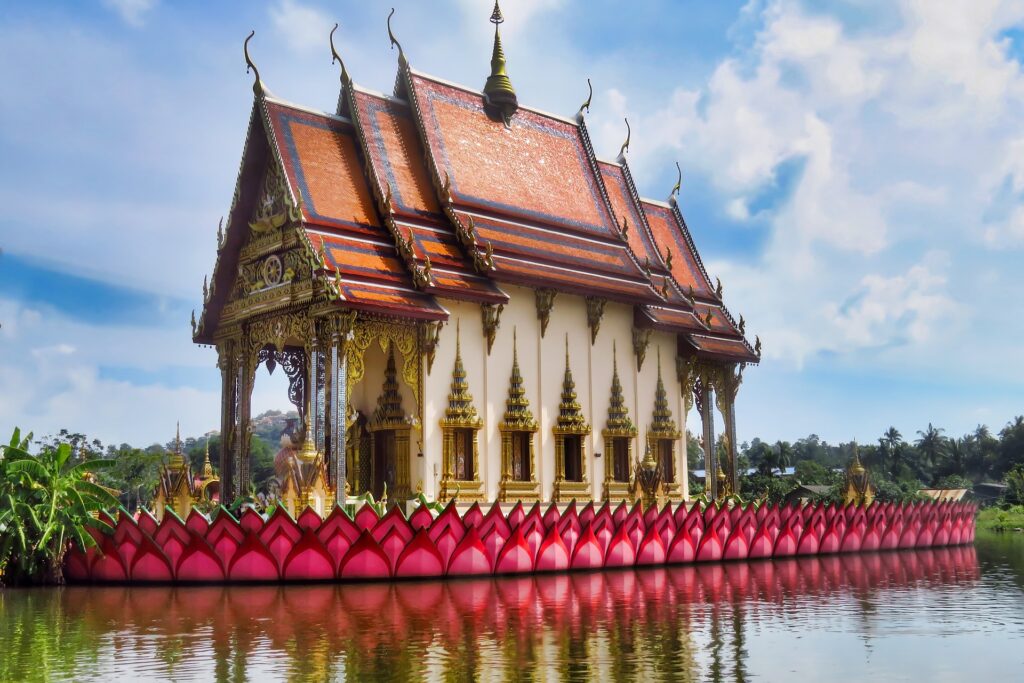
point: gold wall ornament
(618, 434)
(595, 311)
(275, 207)
(570, 445)
(686, 374)
(459, 427)
(545, 301)
(662, 437)
(280, 329)
(430, 336)
(491, 316)
(517, 428)
(641, 339)
(401, 336)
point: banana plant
(48, 502)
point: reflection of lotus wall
(475, 543)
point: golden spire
(663, 426)
(517, 406)
(460, 412)
(618, 413)
(499, 95)
(177, 458)
(207, 465)
(570, 414)
(389, 404)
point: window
(521, 456)
(620, 459)
(463, 456)
(668, 470)
(573, 457)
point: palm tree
(958, 450)
(891, 444)
(932, 444)
(47, 503)
(783, 455)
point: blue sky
(853, 171)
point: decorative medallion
(272, 270)
(430, 335)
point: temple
(467, 301)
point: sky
(853, 171)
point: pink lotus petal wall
(369, 547)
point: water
(948, 614)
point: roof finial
(177, 438)
(394, 41)
(679, 182)
(586, 105)
(625, 145)
(335, 57)
(257, 86)
(499, 95)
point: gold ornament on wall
(595, 311)
(545, 299)
(491, 315)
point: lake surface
(949, 614)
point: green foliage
(810, 472)
(47, 503)
(1015, 485)
(997, 519)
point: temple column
(704, 397)
(245, 370)
(228, 407)
(314, 399)
(337, 381)
(729, 379)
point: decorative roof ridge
(720, 337)
(480, 93)
(481, 256)
(340, 118)
(592, 158)
(493, 215)
(674, 206)
(215, 304)
(418, 265)
(589, 273)
(380, 94)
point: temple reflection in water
(674, 623)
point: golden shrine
(356, 238)
(178, 489)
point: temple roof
(428, 194)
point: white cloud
(303, 28)
(133, 12)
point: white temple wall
(519, 315)
(542, 363)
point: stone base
(564, 491)
(617, 491)
(468, 491)
(512, 491)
